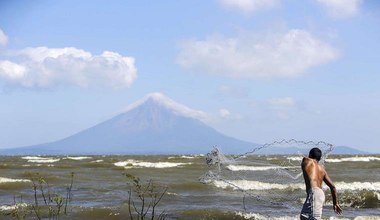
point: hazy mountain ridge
(154, 125)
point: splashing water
(275, 180)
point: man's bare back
(314, 174)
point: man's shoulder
(306, 160)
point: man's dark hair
(315, 153)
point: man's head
(315, 153)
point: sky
(261, 70)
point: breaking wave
(186, 156)
(254, 168)
(13, 207)
(353, 159)
(254, 185)
(78, 158)
(257, 185)
(135, 163)
(256, 216)
(36, 159)
(9, 180)
(263, 217)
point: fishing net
(268, 175)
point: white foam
(182, 157)
(254, 168)
(187, 156)
(355, 186)
(295, 158)
(97, 161)
(262, 217)
(78, 158)
(254, 185)
(352, 159)
(13, 207)
(257, 216)
(356, 218)
(136, 163)
(35, 159)
(44, 161)
(272, 158)
(257, 185)
(9, 180)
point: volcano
(154, 125)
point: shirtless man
(314, 174)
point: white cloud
(281, 55)
(248, 6)
(42, 67)
(11, 71)
(224, 113)
(341, 8)
(3, 38)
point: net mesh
(269, 174)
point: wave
(353, 159)
(9, 180)
(254, 168)
(36, 159)
(257, 185)
(186, 156)
(257, 216)
(13, 207)
(295, 158)
(135, 163)
(263, 217)
(355, 186)
(78, 158)
(254, 185)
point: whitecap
(13, 207)
(136, 163)
(78, 158)
(355, 186)
(262, 217)
(257, 185)
(352, 159)
(37, 159)
(295, 158)
(255, 168)
(254, 185)
(9, 180)
(186, 156)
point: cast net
(269, 175)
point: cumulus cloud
(275, 55)
(3, 38)
(42, 67)
(341, 8)
(248, 6)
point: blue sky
(261, 70)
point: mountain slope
(155, 125)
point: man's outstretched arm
(336, 206)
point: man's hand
(337, 209)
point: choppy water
(100, 189)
